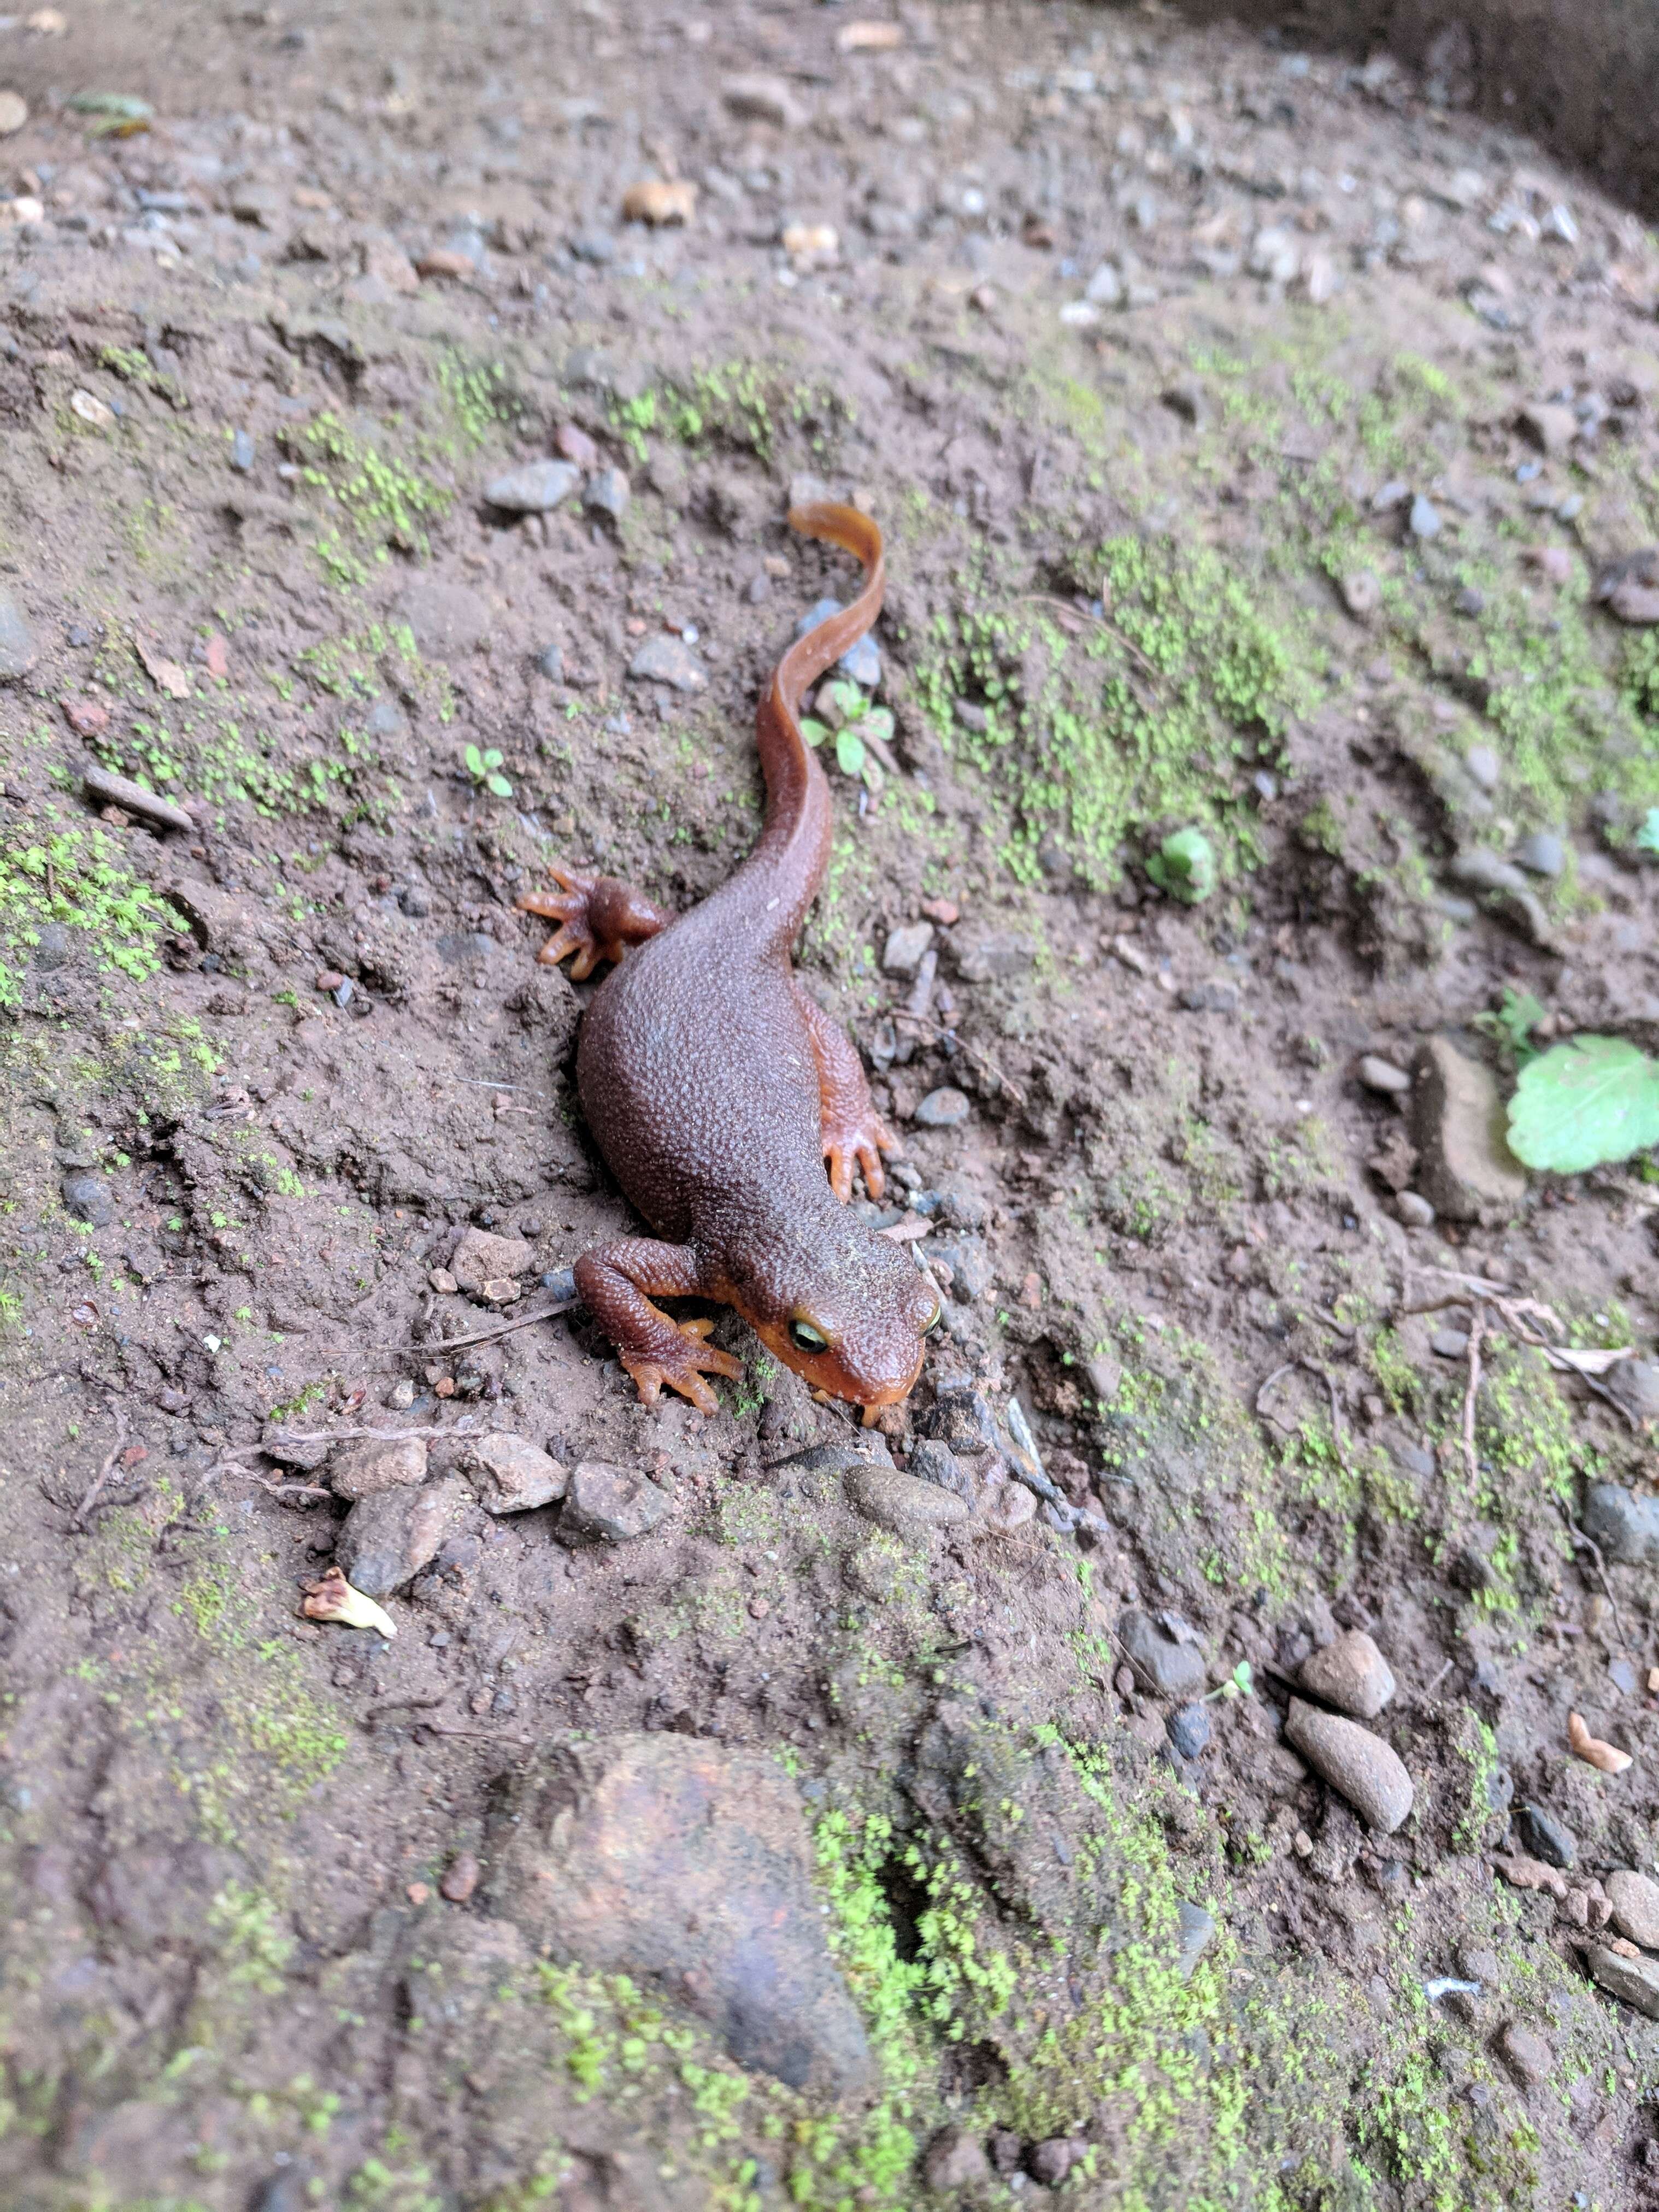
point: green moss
(383, 501)
(55, 869)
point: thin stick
(1286, 1369)
(487, 1335)
(479, 1735)
(1594, 1551)
(96, 1487)
(1471, 1391)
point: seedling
(857, 724)
(1184, 867)
(485, 770)
(1518, 1016)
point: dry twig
(95, 1488)
(486, 1335)
(1471, 1392)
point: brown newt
(717, 1090)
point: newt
(720, 1093)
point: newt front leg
(601, 918)
(853, 1130)
(617, 1282)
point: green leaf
(849, 752)
(500, 786)
(1516, 1018)
(492, 758)
(1647, 837)
(1184, 867)
(1585, 1102)
(879, 723)
(474, 761)
(848, 700)
(814, 732)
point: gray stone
(1480, 869)
(1165, 1655)
(994, 957)
(931, 1461)
(1358, 1765)
(667, 660)
(956, 2165)
(386, 1540)
(861, 663)
(903, 1503)
(1635, 1901)
(1468, 1171)
(550, 662)
(1414, 1210)
(243, 451)
(447, 619)
(387, 720)
(968, 1260)
(961, 1208)
(1552, 427)
(963, 1419)
(682, 1863)
(1450, 1343)
(86, 1195)
(608, 492)
(482, 1257)
(18, 650)
(536, 489)
(1635, 1384)
(1189, 1730)
(608, 1504)
(1543, 1836)
(1635, 1981)
(1362, 594)
(764, 100)
(365, 1469)
(1543, 853)
(1624, 1526)
(944, 1108)
(1484, 765)
(1105, 288)
(1424, 521)
(1351, 1675)
(512, 1475)
(905, 947)
(1197, 1929)
(1379, 1074)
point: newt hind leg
(617, 1282)
(599, 919)
(853, 1130)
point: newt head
(847, 1308)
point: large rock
(1357, 1764)
(607, 1505)
(1165, 1655)
(482, 1257)
(376, 1464)
(18, 650)
(536, 489)
(1635, 1981)
(1351, 1675)
(688, 1864)
(903, 1503)
(1624, 1526)
(387, 1539)
(512, 1475)
(1467, 1172)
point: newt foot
(683, 1369)
(856, 1136)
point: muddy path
(1138, 1769)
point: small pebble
(1543, 1836)
(1543, 853)
(944, 1108)
(1484, 765)
(242, 450)
(1415, 1212)
(1450, 1343)
(1362, 594)
(1189, 1730)
(1357, 1765)
(1379, 1074)
(1350, 1673)
(1424, 521)
(536, 489)
(1635, 1901)
(460, 1878)
(902, 954)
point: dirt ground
(753, 1828)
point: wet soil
(1250, 430)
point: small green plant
(1184, 867)
(485, 769)
(1584, 1104)
(1512, 1024)
(855, 723)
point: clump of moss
(56, 870)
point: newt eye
(932, 1320)
(805, 1338)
